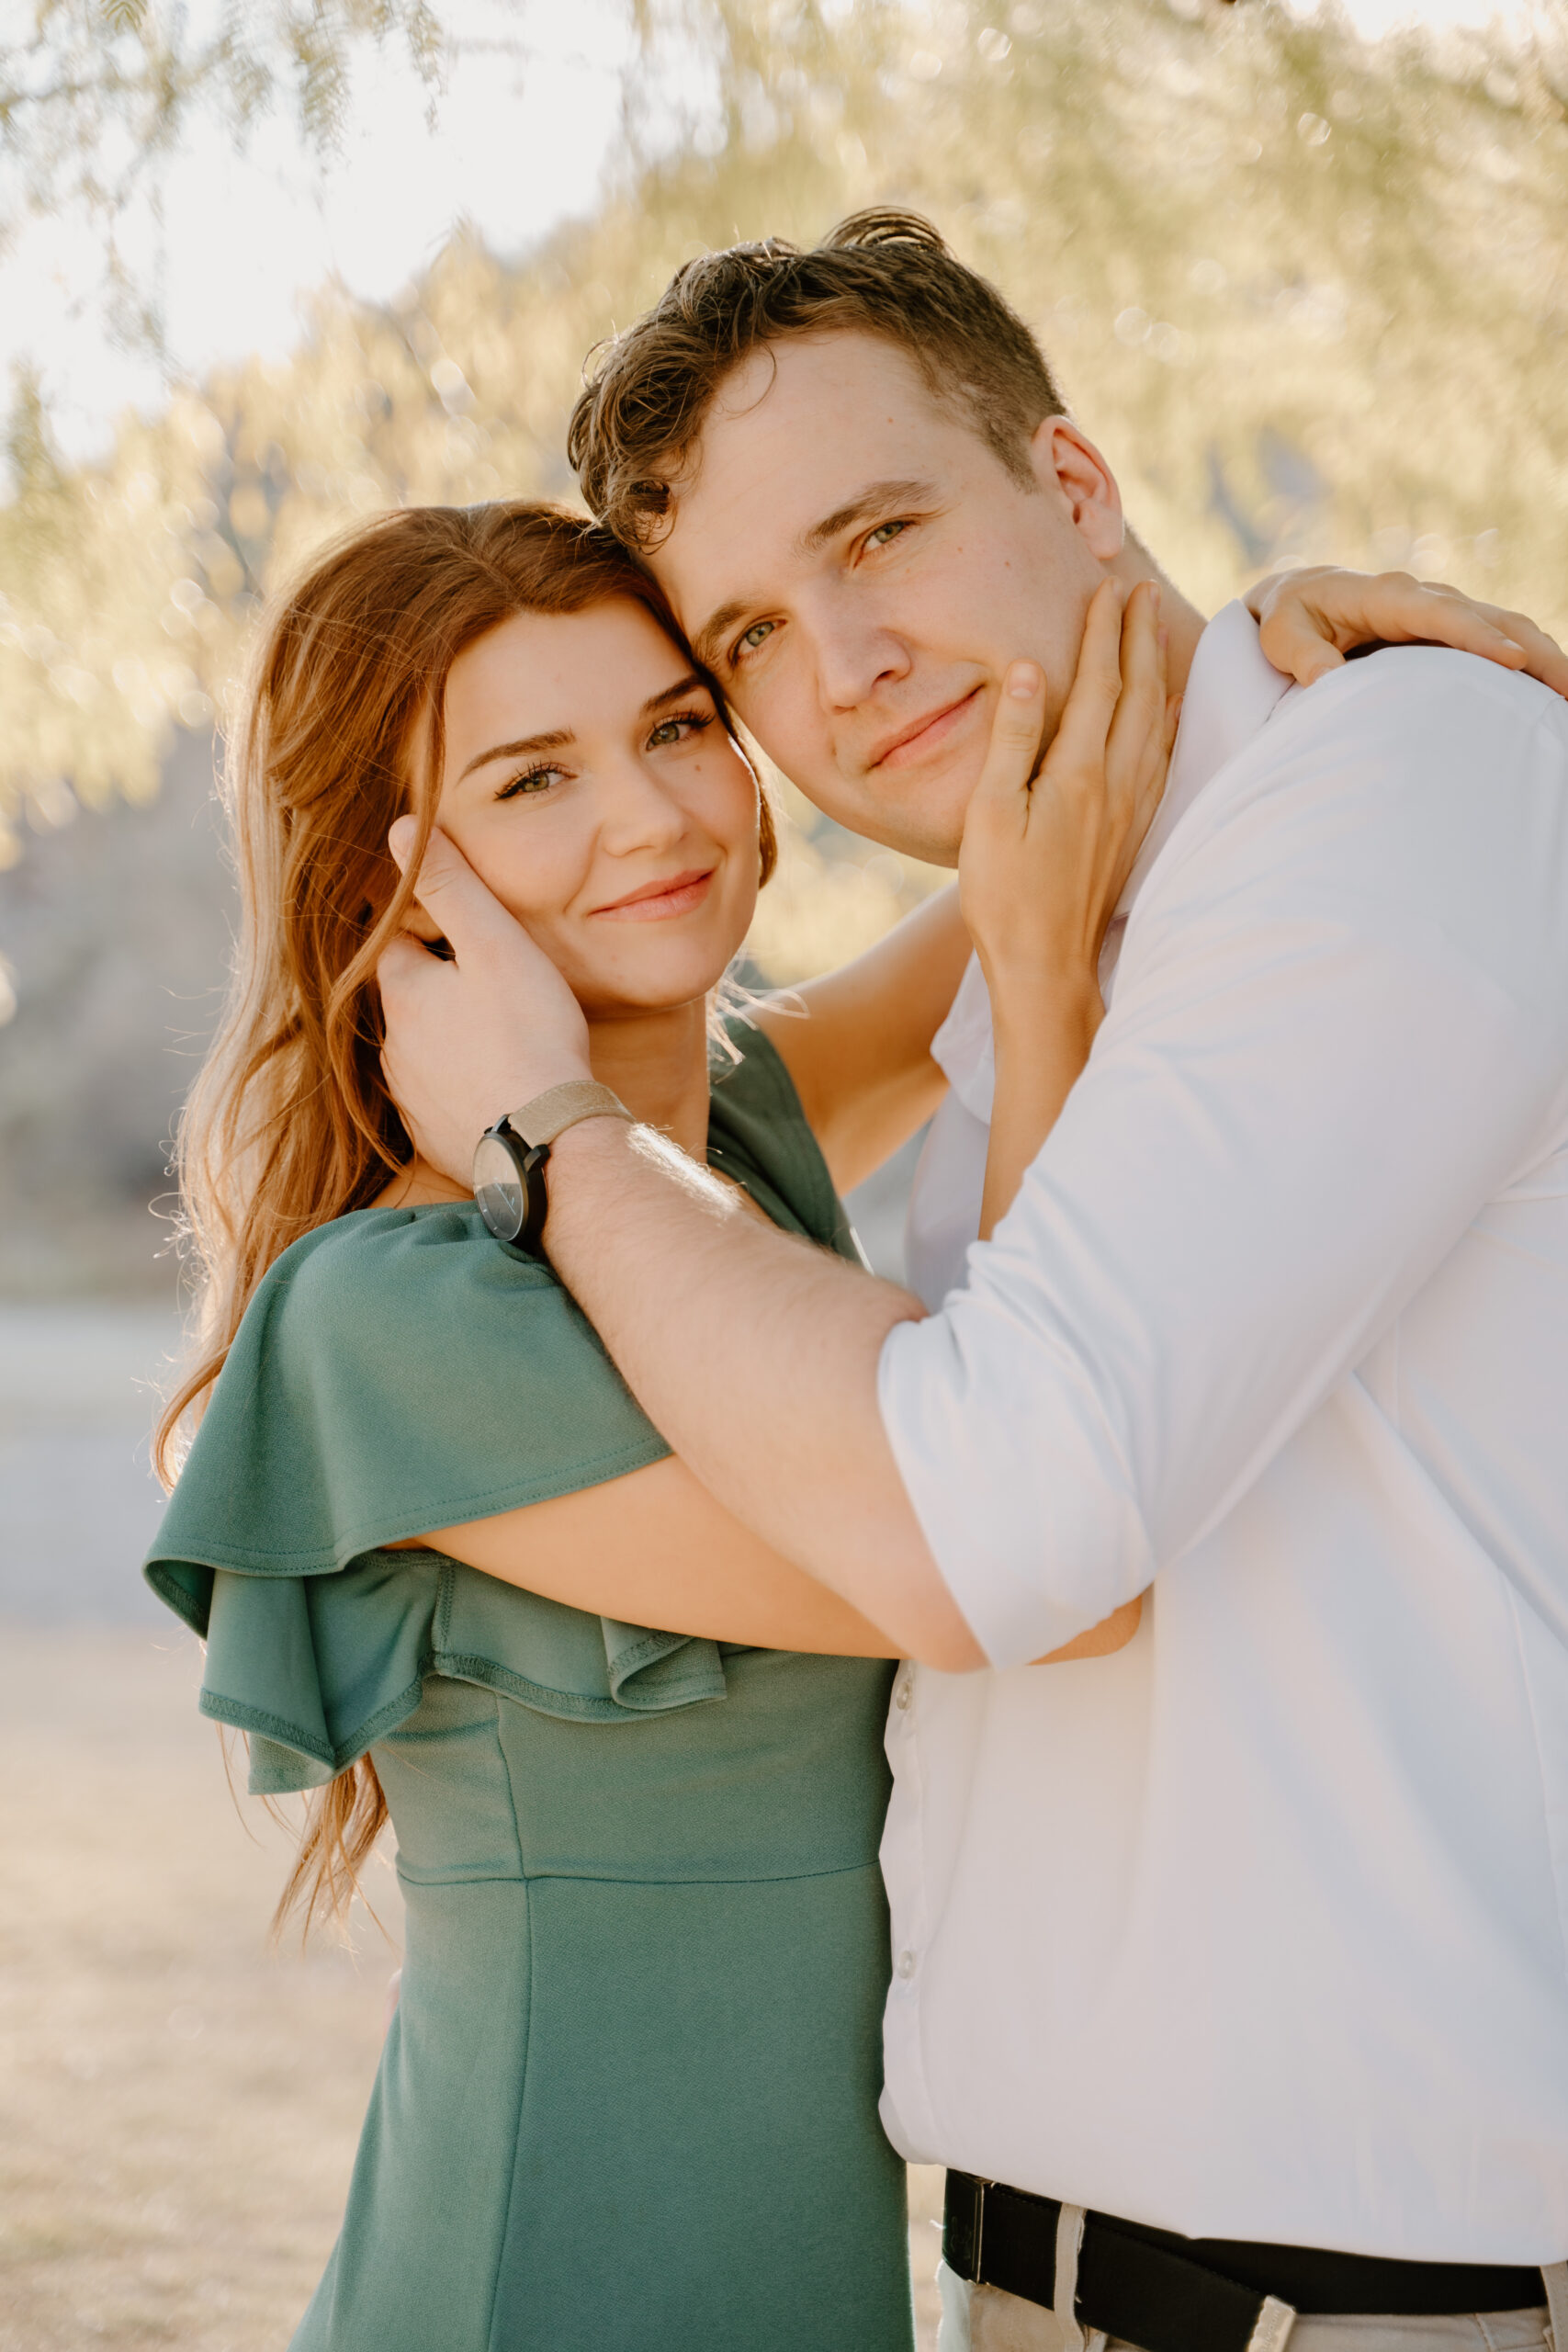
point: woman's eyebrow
(681, 687)
(555, 740)
(558, 738)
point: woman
(628, 2098)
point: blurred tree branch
(97, 92)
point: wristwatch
(510, 1157)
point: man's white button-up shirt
(1259, 1927)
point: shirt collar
(1231, 692)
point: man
(1251, 1938)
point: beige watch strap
(559, 1107)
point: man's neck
(1185, 623)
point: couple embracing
(1173, 1594)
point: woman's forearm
(1043, 1027)
(653, 1548)
(857, 1041)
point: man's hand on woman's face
(480, 1035)
(1309, 619)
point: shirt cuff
(1020, 1492)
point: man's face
(858, 568)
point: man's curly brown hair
(883, 272)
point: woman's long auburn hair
(289, 1124)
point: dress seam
(513, 2192)
(600, 1877)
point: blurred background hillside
(1303, 273)
(1308, 290)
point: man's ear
(1068, 467)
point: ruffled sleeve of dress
(398, 1371)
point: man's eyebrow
(874, 499)
(705, 645)
(555, 740)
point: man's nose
(854, 651)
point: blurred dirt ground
(179, 2104)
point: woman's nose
(637, 811)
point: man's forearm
(756, 1355)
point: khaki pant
(982, 2319)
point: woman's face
(588, 782)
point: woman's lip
(925, 736)
(655, 900)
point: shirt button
(905, 1965)
(901, 1694)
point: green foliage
(1310, 297)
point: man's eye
(755, 635)
(532, 780)
(884, 533)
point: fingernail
(1024, 681)
(1154, 591)
(399, 840)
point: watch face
(498, 1187)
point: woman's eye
(884, 533)
(535, 780)
(681, 725)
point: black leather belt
(1174, 2294)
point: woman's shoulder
(758, 1134)
(354, 1262)
(427, 1289)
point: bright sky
(517, 148)
(520, 143)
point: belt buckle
(969, 2237)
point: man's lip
(922, 732)
(670, 886)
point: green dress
(628, 2100)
